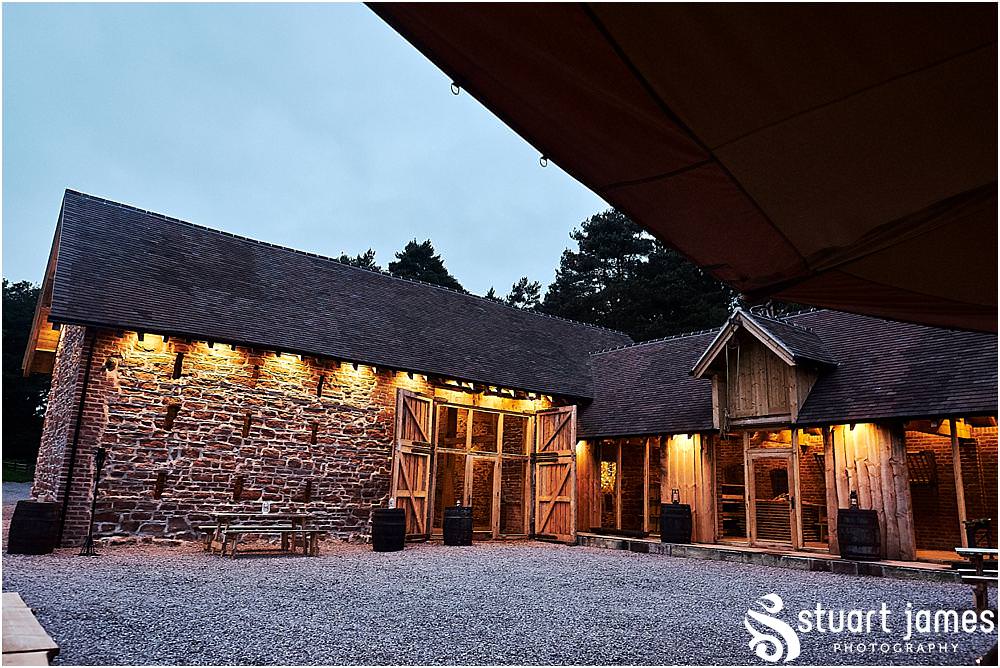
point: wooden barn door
(411, 465)
(555, 474)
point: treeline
(617, 276)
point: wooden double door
(516, 470)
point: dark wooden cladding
(178, 366)
(161, 482)
(168, 420)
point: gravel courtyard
(523, 603)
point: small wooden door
(555, 474)
(771, 500)
(411, 466)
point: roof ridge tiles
(783, 319)
(699, 332)
(379, 272)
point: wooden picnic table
(290, 525)
(978, 575)
(25, 642)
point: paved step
(900, 570)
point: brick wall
(979, 471)
(935, 512)
(236, 428)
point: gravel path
(496, 603)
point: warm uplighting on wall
(609, 472)
(149, 342)
(683, 441)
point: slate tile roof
(647, 389)
(894, 369)
(802, 343)
(122, 267)
(885, 369)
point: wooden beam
(794, 489)
(832, 502)
(618, 485)
(956, 461)
(645, 485)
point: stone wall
(191, 429)
(60, 415)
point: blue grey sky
(311, 126)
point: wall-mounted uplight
(354, 365)
(142, 336)
(211, 344)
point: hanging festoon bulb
(455, 88)
(543, 160)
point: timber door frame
(499, 457)
(405, 491)
(547, 455)
(788, 455)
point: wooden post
(618, 484)
(832, 503)
(645, 485)
(664, 469)
(956, 461)
(904, 500)
(497, 478)
(794, 488)
(748, 490)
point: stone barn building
(219, 372)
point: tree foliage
(524, 294)
(419, 262)
(23, 398)
(364, 260)
(622, 278)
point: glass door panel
(483, 469)
(449, 485)
(772, 499)
(484, 431)
(513, 486)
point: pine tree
(23, 398)
(492, 295)
(419, 262)
(524, 294)
(621, 277)
(364, 260)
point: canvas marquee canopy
(835, 155)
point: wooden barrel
(858, 534)
(34, 528)
(458, 525)
(388, 529)
(675, 523)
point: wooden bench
(980, 572)
(25, 642)
(232, 534)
